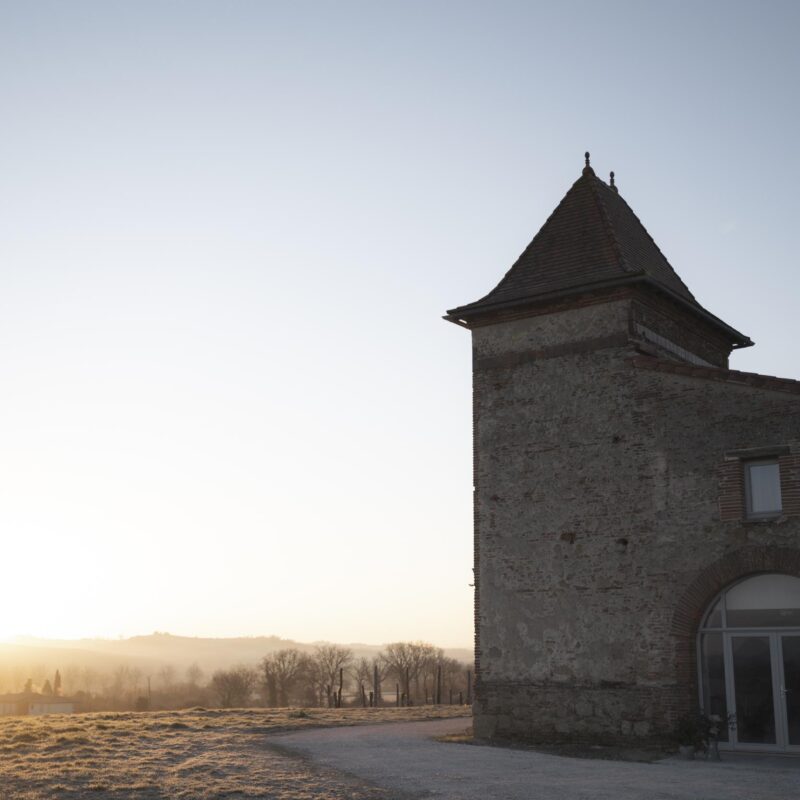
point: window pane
(714, 618)
(714, 680)
(765, 488)
(764, 618)
(764, 601)
(764, 591)
(752, 671)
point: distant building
(636, 501)
(34, 704)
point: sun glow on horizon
(228, 233)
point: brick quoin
(731, 491)
(790, 483)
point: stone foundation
(597, 715)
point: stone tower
(612, 449)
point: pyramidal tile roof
(592, 240)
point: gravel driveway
(402, 757)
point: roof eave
(463, 315)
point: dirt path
(403, 757)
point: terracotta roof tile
(592, 237)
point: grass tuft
(195, 754)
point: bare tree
(331, 660)
(405, 661)
(281, 671)
(120, 685)
(166, 677)
(135, 679)
(454, 677)
(311, 683)
(431, 663)
(234, 686)
(361, 670)
(193, 674)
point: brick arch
(708, 583)
(714, 578)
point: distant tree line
(123, 688)
(403, 673)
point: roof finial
(586, 156)
(587, 170)
(611, 182)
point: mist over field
(153, 651)
(161, 671)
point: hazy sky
(228, 231)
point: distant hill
(157, 649)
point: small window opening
(763, 488)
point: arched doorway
(749, 645)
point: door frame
(779, 635)
(780, 712)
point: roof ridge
(530, 244)
(655, 244)
(609, 226)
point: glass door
(764, 690)
(753, 692)
(790, 688)
(749, 664)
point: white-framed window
(762, 484)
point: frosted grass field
(197, 753)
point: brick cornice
(508, 360)
(751, 379)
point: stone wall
(596, 508)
